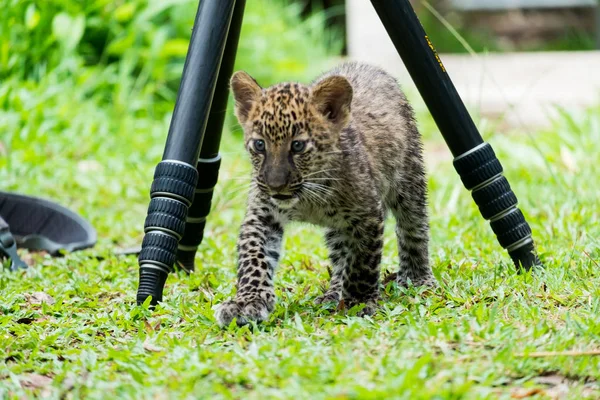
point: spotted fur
(360, 157)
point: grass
(89, 137)
(470, 339)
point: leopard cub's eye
(259, 145)
(298, 146)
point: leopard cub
(338, 153)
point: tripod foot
(151, 283)
(186, 260)
(481, 173)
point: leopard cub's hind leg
(340, 256)
(355, 253)
(408, 204)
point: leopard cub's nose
(282, 196)
(280, 192)
(279, 189)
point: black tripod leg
(210, 160)
(474, 160)
(175, 177)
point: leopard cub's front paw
(226, 312)
(243, 310)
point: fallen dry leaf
(35, 381)
(149, 346)
(39, 298)
(557, 387)
(148, 327)
(568, 353)
(551, 380)
(522, 393)
(110, 295)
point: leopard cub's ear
(245, 92)
(332, 98)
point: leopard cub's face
(291, 132)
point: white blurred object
(520, 88)
(516, 4)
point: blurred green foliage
(152, 37)
(89, 68)
(140, 45)
(87, 88)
